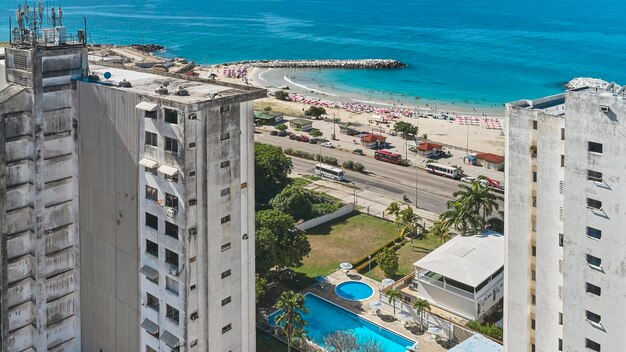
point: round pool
(354, 290)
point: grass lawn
(271, 345)
(407, 255)
(346, 239)
(300, 182)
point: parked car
(282, 133)
(468, 179)
(274, 133)
(358, 152)
(304, 139)
(295, 137)
(327, 145)
(313, 141)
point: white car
(468, 179)
(327, 145)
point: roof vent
(125, 84)
(181, 91)
(162, 90)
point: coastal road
(391, 180)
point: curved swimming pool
(354, 290)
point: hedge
(488, 329)
(310, 156)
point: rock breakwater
(351, 64)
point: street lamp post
(369, 264)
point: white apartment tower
(564, 211)
(126, 203)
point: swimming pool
(354, 290)
(326, 318)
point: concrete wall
(108, 159)
(343, 211)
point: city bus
(444, 170)
(329, 171)
(388, 157)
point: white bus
(444, 170)
(329, 171)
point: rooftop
(373, 137)
(475, 343)
(146, 83)
(492, 158)
(426, 146)
(467, 259)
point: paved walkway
(362, 308)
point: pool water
(354, 290)
(325, 318)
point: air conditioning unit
(173, 270)
(604, 108)
(171, 212)
(193, 316)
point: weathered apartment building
(564, 259)
(126, 205)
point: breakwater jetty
(353, 64)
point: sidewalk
(368, 202)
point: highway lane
(433, 191)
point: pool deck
(363, 310)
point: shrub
(388, 261)
(348, 164)
(281, 127)
(321, 209)
(359, 167)
(267, 108)
(281, 95)
(488, 329)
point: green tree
(315, 112)
(405, 128)
(316, 133)
(294, 201)
(281, 95)
(421, 306)
(358, 167)
(409, 221)
(393, 209)
(392, 296)
(461, 217)
(495, 224)
(479, 198)
(281, 127)
(278, 243)
(271, 168)
(260, 287)
(439, 229)
(267, 108)
(292, 306)
(388, 261)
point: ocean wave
(373, 102)
(308, 88)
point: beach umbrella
(388, 282)
(376, 305)
(345, 266)
(405, 317)
(435, 330)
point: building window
(560, 345)
(152, 221)
(192, 145)
(225, 219)
(225, 164)
(534, 176)
(224, 136)
(192, 287)
(532, 347)
(171, 145)
(592, 345)
(560, 318)
(532, 324)
(152, 193)
(593, 289)
(226, 300)
(595, 147)
(171, 201)
(192, 173)
(533, 275)
(227, 328)
(534, 202)
(192, 202)
(226, 274)
(150, 349)
(172, 313)
(533, 299)
(562, 134)
(534, 125)
(150, 114)
(593, 317)
(594, 204)
(171, 257)
(533, 251)
(594, 233)
(225, 246)
(152, 302)
(171, 116)
(594, 176)
(560, 240)
(152, 248)
(193, 231)
(171, 285)
(562, 160)
(225, 192)
(171, 230)
(151, 139)
(594, 261)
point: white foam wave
(308, 88)
(373, 102)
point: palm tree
(478, 197)
(299, 337)
(421, 306)
(392, 296)
(462, 217)
(440, 230)
(290, 318)
(393, 209)
(409, 220)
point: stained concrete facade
(39, 248)
(547, 218)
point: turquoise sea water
(325, 318)
(485, 51)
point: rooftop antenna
(60, 16)
(54, 17)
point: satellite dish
(107, 75)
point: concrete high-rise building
(126, 205)
(564, 257)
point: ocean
(481, 52)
